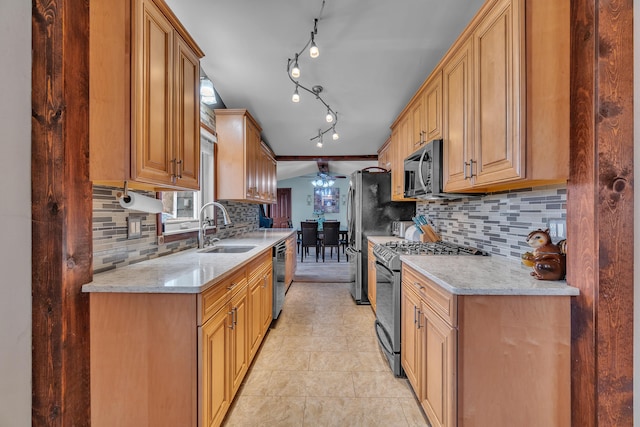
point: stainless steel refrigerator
(370, 212)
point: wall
(15, 252)
(500, 222)
(301, 188)
(112, 249)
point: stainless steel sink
(226, 249)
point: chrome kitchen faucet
(204, 224)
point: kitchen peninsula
(173, 337)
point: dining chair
(331, 238)
(309, 238)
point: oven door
(388, 315)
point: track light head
(296, 96)
(314, 52)
(329, 116)
(295, 71)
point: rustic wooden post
(600, 212)
(61, 212)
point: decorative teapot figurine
(548, 260)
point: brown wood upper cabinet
(246, 167)
(144, 92)
(426, 112)
(506, 98)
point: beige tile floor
(321, 366)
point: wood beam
(363, 157)
(600, 212)
(61, 196)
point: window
(181, 208)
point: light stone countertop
(188, 271)
(484, 275)
(480, 275)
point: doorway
(281, 212)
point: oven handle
(382, 342)
(384, 267)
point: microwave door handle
(420, 177)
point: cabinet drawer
(219, 294)
(259, 266)
(438, 299)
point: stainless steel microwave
(423, 174)
(423, 171)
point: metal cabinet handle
(419, 316)
(231, 326)
(415, 317)
(464, 169)
(173, 170)
(471, 174)
(179, 166)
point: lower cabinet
(260, 301)
(290, 261)
(177, 359)
(479, 360)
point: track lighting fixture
(293, 71)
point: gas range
(389, 253)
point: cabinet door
(290, 260)
(439, 369)
(239, 340)
(410, 337)
(255, 322)
(417, 134)
(266, 312)
(153, 65)
(187, 107)
(457, 88)
(433, 107)
(499, 121)
(216, 390)
(251, 158)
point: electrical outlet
(557, 229)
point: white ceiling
(374, 54)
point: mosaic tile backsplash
(112, 249)
(499, 222)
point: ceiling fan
(323, 168)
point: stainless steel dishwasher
(279, 288)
